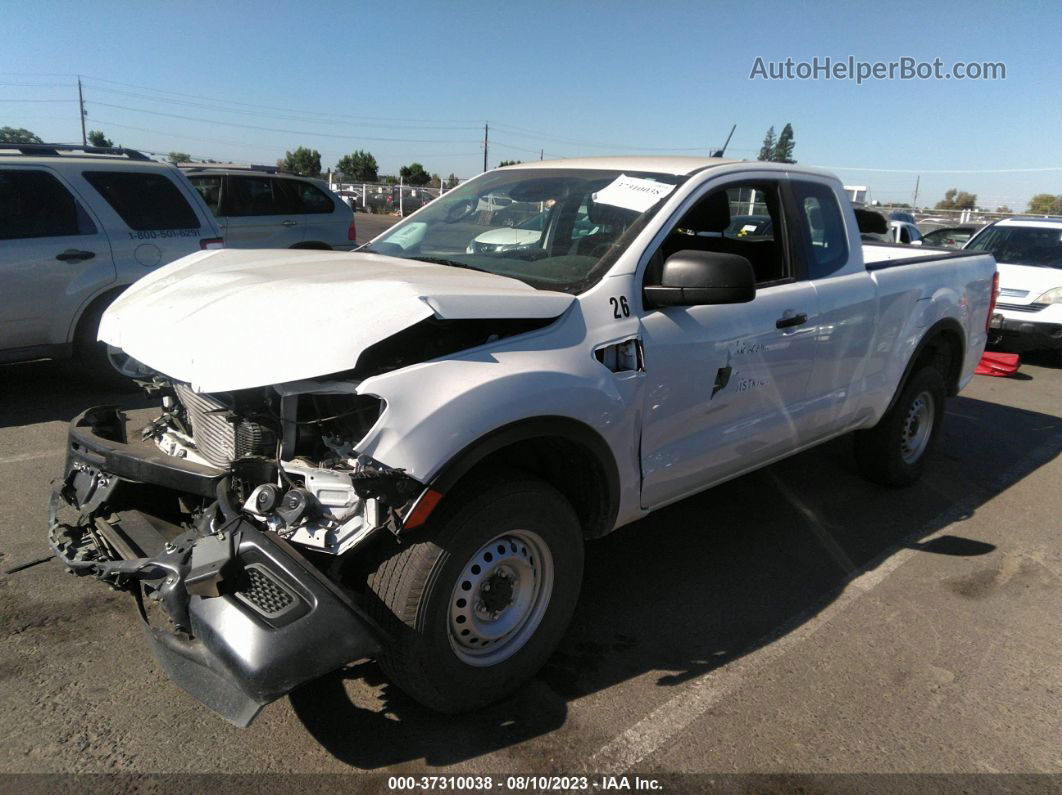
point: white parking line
(653, 732)
(14, 459)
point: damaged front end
(236, 514)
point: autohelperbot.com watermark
(850, 68)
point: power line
(274, 107)
(244, 145)
(280, 130)
(289, 117)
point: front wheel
(476, 605)
(894, 451)
(108, 366)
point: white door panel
(844, 367)
(758, 373)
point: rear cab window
(35, 204)
(820, 228)
(146, 202)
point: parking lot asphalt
(798, 619)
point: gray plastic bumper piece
(283, 626)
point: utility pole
(81, 105)
(541, 154)
(914, 201)
(485, 131)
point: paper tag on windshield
(632, 193)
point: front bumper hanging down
(251, 619)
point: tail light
(992, 300)
(352, 230)
(211, 242)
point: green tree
(178, 157)
(306, 162)
(389, 180)
(414, 174)
(1045, 204)
(436, 181)
(1004, 209)
(18, 135)
(452, 181)
(504, 163)
(954, 199)
(767, 149)
(97, 138)
(359, 165)
(783, 150)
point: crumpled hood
(235, 319)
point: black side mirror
(693, 278)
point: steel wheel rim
(500, 598)
(917, 428)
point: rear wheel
(894, 451)
(476, 605)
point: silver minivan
(262, 207)
(77, 226)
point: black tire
(884, 453)
(410, 593)
(91, 354)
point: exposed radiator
(214, 435)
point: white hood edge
(236, 319)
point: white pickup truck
(398, 453)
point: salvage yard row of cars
(399, 452)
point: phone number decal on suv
(156, 234)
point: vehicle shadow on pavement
(402, 730)
(49, 391)
(709, 580)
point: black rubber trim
(890, 263)
(537, 428)
(140, 463)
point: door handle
(74, 255)
(288, 223)
(791, 320)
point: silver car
(262, 207)
(77, 226)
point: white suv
(262, 207)
(1029, 256)
(78, 225)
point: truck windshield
(1022, 245)
(555, 229)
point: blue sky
(416, 81)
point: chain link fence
(385, 199)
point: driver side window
(743, 219)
